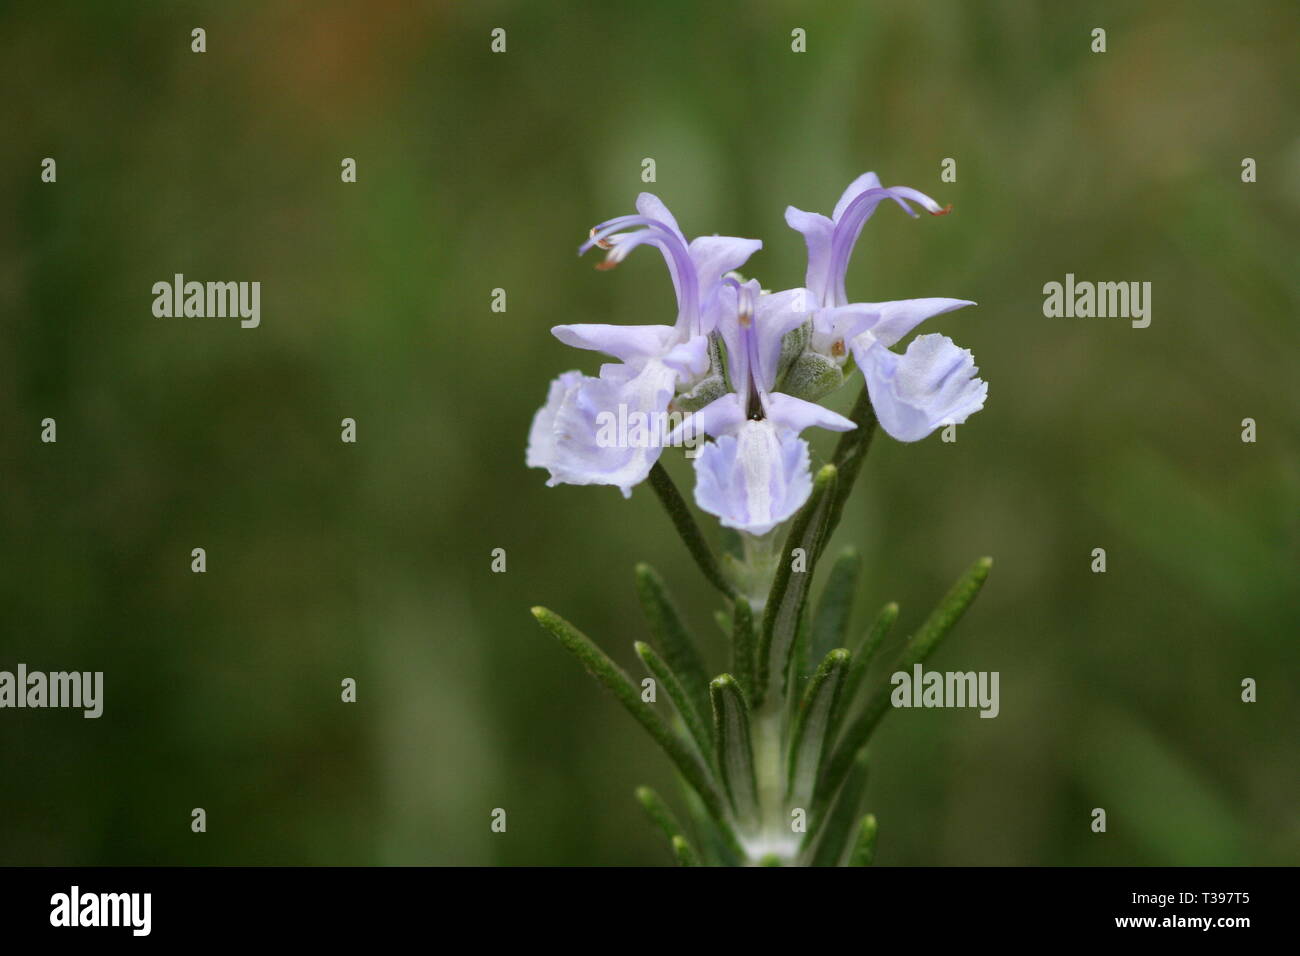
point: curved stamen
(849, 226)
(671, 246)
(613, 225)
(749, 340)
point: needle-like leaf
(922, 644)
(660, 814)
(695, 724)
(685, 855)
(830, 625)
(864, 850)
(684, 522)
(800, 669)
(674, 640)
(831, 832)
(617, 682)
(801, 662)
(744, 645)
(790, 589)
(862, 658)
(723, 620)
(735, 752)
(809, 740)
(715, 839)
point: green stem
(685, 524)
(758, 568)
(850, 452)
(773, 840)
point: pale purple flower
(933, 383)
(566, 434)
(696, 268)
(756, 474)
(657, 361)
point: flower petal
(775, 315)
(797, 414)
(932, 384)
(689, 359)
(627, 343)
(652, 207)
(541, 436)
(901, 316)
(817, 232)
(607, 430)
(755, 479)
(841, 323)
(715, 256)
(719, 417)
(855, 189)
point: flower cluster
(746, 367)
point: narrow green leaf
(850, 453)
(716, 841)
(864, 850)
(735, 752)
(949, 611)
(617, 682)
(695, 724)
(790, 589)
(684, 522)
(743, 645)
(862, 658)
(830, 626)
(809, 741)
(801, 668)
(922, 644)
(660, 814)
(685, 855)
(831, 832)
(674, 640)
(723, 620)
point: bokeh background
(480, 171)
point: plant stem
(773, 839)
(850, 452)
(685, 524)
(758, 569)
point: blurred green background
(479, 171)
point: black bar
(329, 905)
